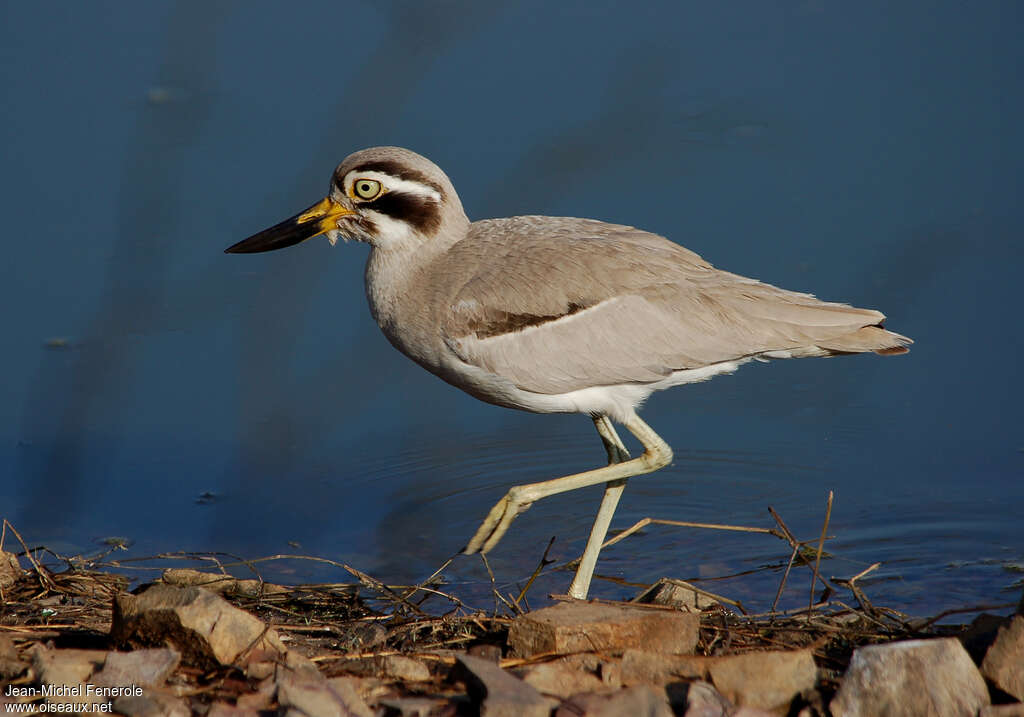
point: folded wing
(608, 304)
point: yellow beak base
(319, 218)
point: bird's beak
(320, 218)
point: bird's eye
(367, 188)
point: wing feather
(556, 306)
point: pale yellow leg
(617, 453)
(656, 454)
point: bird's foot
(497, 522)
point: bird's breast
(403, 304)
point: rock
(1004, 662)
(497, 693)
(405, 669)
(223, 709)
(488, 652)
(259, 700)
(139, 667)
(1013, 710)
(981, 633)
(703, 700)
(220, 583)
(204, 627)
(11, 664)
(395, 667)
(153, 704)
(638, 701)
(319, 698)
(10, 569)
(350, 690)
(68, 671)
(640, 667)
(765, 680)
(414, 706)
(911, 677)
(607, 670)
(552, 678)
(675, 593)
(578, 627)
(299, 666)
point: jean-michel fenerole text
(73, 691)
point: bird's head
(388, 197)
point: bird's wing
(556, 307)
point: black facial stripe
(422, 213)
(396, 169)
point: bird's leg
(656, 455)
(617, 453)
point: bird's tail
(868, 338)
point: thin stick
(870, 569)
(375, 584)
(785, 576)
(45, 579)
(413, 590)
(955, 611)
(544, 562)
(785, 529)
(641, 524)
(494, 588)
(821, 546)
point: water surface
(157, 389)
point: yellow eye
(367, 188)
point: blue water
(156, 389)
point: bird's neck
(394, 275)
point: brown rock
(639, 667)
(153, 703)
(414, 706)
(298, 666)
(981, 633)
(11, 664)
(260, 699)
(67, 670)
(10, 569)
(1004, 661)
(202, 626)
(552, 678)
(223, 709)
(405, 669)
(319, 698)
(488, 652)
(911, 677)
(579, 627)
(638, 701)
(395, 667)
(220, 583)
(352, 690)
(1013, 710)
(498, 693)
(703, 700)
(766, 680)
(675, 593)
(139, 667)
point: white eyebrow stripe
(392, 184)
